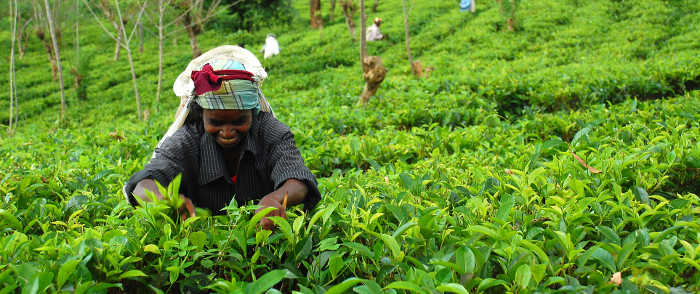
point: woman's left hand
(271, 200)
(291, 193)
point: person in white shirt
(373, 33)
(271, 47)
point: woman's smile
(232, 141)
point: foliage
(254, 15)
(550, 159)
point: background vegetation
(558, 157)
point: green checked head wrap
(225, 84)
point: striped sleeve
(168, 161)
(285, 162)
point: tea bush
(562, 157)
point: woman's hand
(272, 200)
(186, 209)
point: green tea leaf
(65, 271)
(403, 228)
(131, 274)
(303, 248)
(541, 255)
(344, 286)
(483, 230)
(453, 288)
(10, 220)
(465, 260)
(507, 203)
(336, 264)
(151, 248)
(198, 239)
(256, 219)
(207, 263)
(283, 225)
(407, 181)
(538, 272)
(523, 275)
(666, 232)
(605, 258)
(582, 132)
(359, 248)
(404, 285)
(641, 194)
(609, 234)
(329, 244)
(624, 253)
(491, 282)
(266, 282)
(392, 244)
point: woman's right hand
(186, 209)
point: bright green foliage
(549, 159)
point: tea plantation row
(562, 157)
(493, 206)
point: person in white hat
(373, 33)
(271, 47)
(227, 143)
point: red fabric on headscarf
(207, 79)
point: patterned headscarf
(225, 84)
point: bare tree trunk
(196, 52)
(77, 34)
(161, 38)
(374, 7)
(49, 52)
(333, 10)
(127, 40)
(140, 38)
(118, 47)
(77, 74)
(363, 35)
(14, 12)
(349, 9)
(23, 34)
(58, 57)
(40, 30)
(133, 78)
(373, 70)
(104, 6)
(193, 29)
(194, 19)
(416, 68)
(316, 20)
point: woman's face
(228, 127)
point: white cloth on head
(271, 47)
(373, 33)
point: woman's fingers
(265, 222)
(186, 209)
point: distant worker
(271, 47)
(373, 33)
(467, 5)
